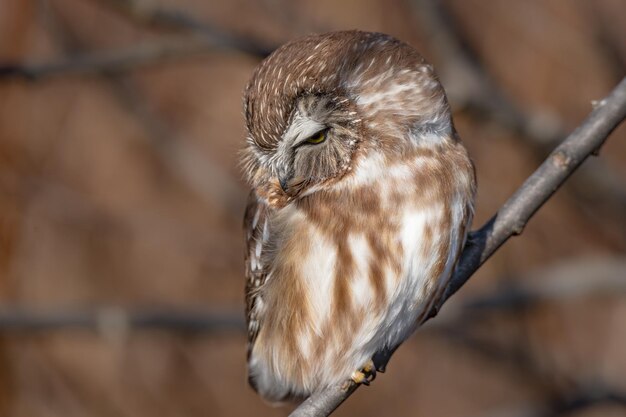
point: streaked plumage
(351, 240)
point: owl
(362, 196)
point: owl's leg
(366, 375)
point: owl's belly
(344, 287)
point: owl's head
(314, 102)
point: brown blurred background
(121, 202)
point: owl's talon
(366, 375)
(358, 377)
(369, 367)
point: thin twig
(511, 218)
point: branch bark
(511, 219)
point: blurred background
(121, 250)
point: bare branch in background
(576, 402)
(601, 277)
(553, 383)
(561, 393)
(195, 171)
(583, 400)
(567, 280)
(511, 218)
(470, 87)
(148, 13)
(114, 61)
(468, 84)
(607, 41)
(120, 319)
(570, 279)
(203, 37)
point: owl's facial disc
(302, 131)
(316, 146)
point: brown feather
(349, 254)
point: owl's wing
(256, 227)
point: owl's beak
(292, 186)
(284, 183)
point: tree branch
(511, 218)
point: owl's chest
(345, 252)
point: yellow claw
(368, 367)
(359, 377)
(365, 375)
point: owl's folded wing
(256, 227)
